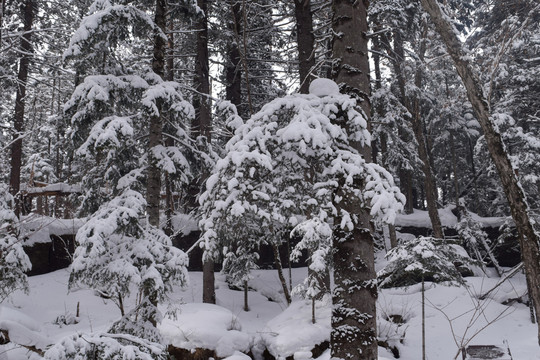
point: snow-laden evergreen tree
(105, 346)
(121, 248)
(316, 239)
(428, 97)
(425, 258)
(13, 260)
(507, 45)
(109, 112)
(118, 254)
(293, 160)
(475, 239)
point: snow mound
(293, 333)
(22, 329)
(206, 326)
(237, 356)
(323, 87)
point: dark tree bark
(203, 124)
(153, 177)
(528, 238)
(20, 99)
(2, 12)
(233, 71)
(405, 176)
(354, 314)
(169, 141)
(413, 105)
(279, 267)
(306, 41)
(418, 130)
(153, 186)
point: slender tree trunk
(169, 141)
(153, 186)
(474, 206)
(203, 125)
(423, 319)
(153, 177)
(305, 40)
(279, 267)
(20, 99)
(405, 176)
(353, 333)
(528, 238)
(209, 291)
(423, 153)
(393, 236)
(2, 12)
(246, 296)
(455, 171)
(233, 71)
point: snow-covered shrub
(13, 260)
(117, 253)
(287, 163)
(475, 240)
(425, 258)
(105, 346)
(316, 238)
(392, 324)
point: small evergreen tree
(423, 258)
(13, 260)
(116, 253)
(293, 159)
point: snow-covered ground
(453, 316)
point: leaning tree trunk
(353, 333)
(405, 175)
(418, 129)
(528, 238)
(305, 40)
(18, 122)
(203, 124)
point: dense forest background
(129, 115)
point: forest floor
(453, 316)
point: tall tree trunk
(423, 153)
(2, 12)
(169, 141)
(305, 40)
(405, 176)
(528, 238)
(279, 268)
(455, 171)
(153, 177)
(203, 124)
(18, 121)
(153, 186)
(233, 71)
(354, 333)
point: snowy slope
(290, 332)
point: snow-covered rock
(22, 329)
(323, 87)
(206, 326)
(293, 333)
